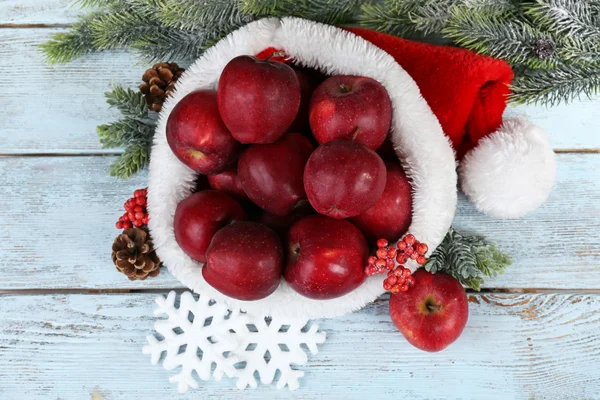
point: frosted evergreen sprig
(560, 85)
(493, 35)
(133, 132)
(469, 259)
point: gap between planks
(34, 26)
(384, 297)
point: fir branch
(425, 17)
(122, 29)
(468, 259)
(510, 39)
(396, 17)
(124, 132)
(66, 46)
(130, 103)
(566, 17)
(194, 14)
(575, 50)
(326, 11)
(175, 45)
(562, 84)
(134, 131)
(131, 161)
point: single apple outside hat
(507, 167)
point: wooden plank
(56, 109)
(50, 12)
(57, 219)
(57, 216)
(52, 109)
(569, 126)
(523, 346)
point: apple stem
(344, 88)
(432, 307)
(276, 54)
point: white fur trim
(511, 171)
(416, 133)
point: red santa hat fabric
(507, 167)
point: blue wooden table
(71, 327)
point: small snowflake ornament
(200, 333)
(204, 326)
(271, 344)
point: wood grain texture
(50, 12)
(55, 109)
(513, 347)
(57, 216)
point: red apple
(431, 314)
(200, 216)
(197, 135)
(309, 79)
(351, 107)
(325, 257)
(343, 178)
(228, 182)
(245, 260)
(258, 99)
(272, 174)
(391, 215)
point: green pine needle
(125, 131)
(469, 259)
(194, 14)
(566, 17)
(335, 12)
(130, 103)
(493, 35)
(121, 29)
(67, 46)
(134, 131)
(131, 161)
(551, 87)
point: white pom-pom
(511, 172)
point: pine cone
(159, 82)
(134, 255)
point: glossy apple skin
(325, 257)
(258, 99)
(343, 178)
(309, 80)
(197, 135)
(245, 261)
(391, 215)
(351, 107)
(228, 182)
(272, 175)
(413, 312)
(200, 216)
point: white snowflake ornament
(205, 331)
(271, 344)
(202, 332)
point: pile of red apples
(297, 179)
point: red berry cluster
(400, 278)
(136, 213)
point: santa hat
(506, 167)
(465, 91)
